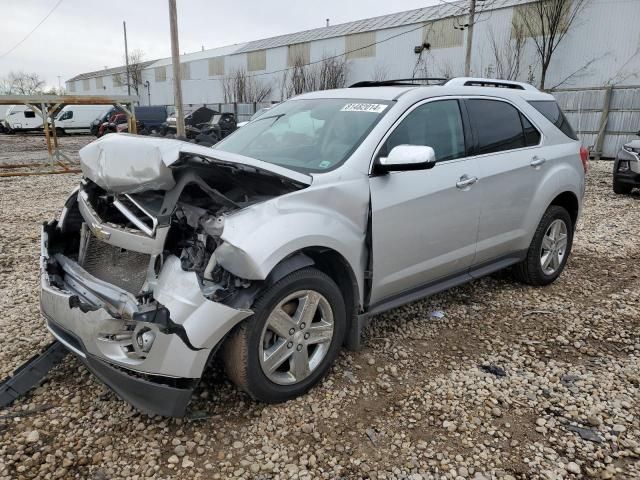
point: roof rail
(401, 82)
(489, 82)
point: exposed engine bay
(125, 238)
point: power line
(31, 32)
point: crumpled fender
(257, 238)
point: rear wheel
(290, 342)
(549, 249)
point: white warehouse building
(601, 48)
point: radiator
(117, 266)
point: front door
(424, 223)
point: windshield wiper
(277, 117)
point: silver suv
(273, 248)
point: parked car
(210, 133)
(78, 117)
(104, 117)
(3, 113)
(197, 118)
(151, 117)
(113, 124)
(20, 118)
(626, 168)
(254, 116)
(276, 246)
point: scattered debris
(568, 380)
(31, 373)
(585, 433)
(26, 413)
(373, 436)
(494, 370)
(437, 314)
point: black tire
(530, 270)
(241, 350)
(60, 132)
(621, 188)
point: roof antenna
(327, 22)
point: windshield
(307, 135)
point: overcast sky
(85, 35)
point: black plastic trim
(148, 397)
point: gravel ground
(416, 403)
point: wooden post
(44, 113)
(467, 60)
(175, 60)
(604, 117)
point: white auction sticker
(364, 107)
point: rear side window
(500, 126)
(531, 134)
(552, 112)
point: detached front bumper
(101, 323)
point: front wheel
(290, 342)
(549, 249)
(620, 188)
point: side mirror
(408, 157)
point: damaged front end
(130, 281)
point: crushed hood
(124, 163)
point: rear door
(511, 166)
(425, 223)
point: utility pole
(126, 56)
(467, 60)
(175, 60)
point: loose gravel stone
(415, 404)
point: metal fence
(242, 111)
(605, 118)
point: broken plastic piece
(494, 370)
(31, 373)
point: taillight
(584, 156)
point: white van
(78, 117)
(20, 118)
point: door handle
(537, 161)
(466, 181)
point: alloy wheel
(554, 247)
(296, 337)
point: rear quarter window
(552, 112)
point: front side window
(498, 125)
(29, 114)
(308, 135)
(434, 124)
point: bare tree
(301, 78)
(330, 72)
(507, 52)
(136, 65)
(21, 83)
(547, 22)
(380, 72)
(242, 88)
